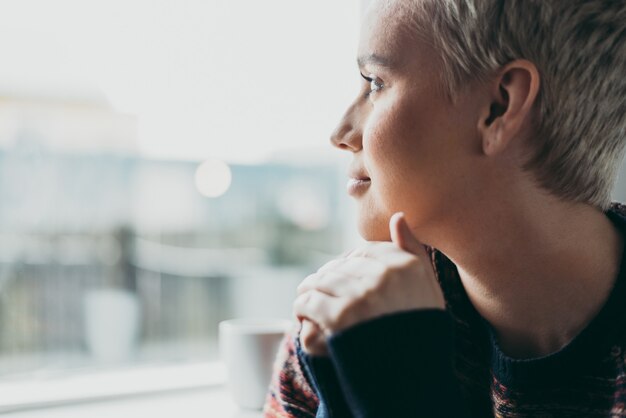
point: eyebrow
(374, 59)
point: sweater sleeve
(399, 365)
(326, 384)
(290, 394)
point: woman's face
(413, 148)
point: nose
(348, 134)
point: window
(163, 166)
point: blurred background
(164, 165)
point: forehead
(389, 32)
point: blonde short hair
(579, 48)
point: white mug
(248, 348)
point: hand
(312, 339)
(377, 279)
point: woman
(485, 142)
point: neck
(538, 273)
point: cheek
(389, 132)
(391, 155)
(392, 144)
(407, 150)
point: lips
(359, 181)
(357, 173)
(357, 186)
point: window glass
(164, 165)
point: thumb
(403, 237)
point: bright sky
(240, 80)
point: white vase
(112, 320)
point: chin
(373, 227)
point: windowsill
(212, 402)
(25, 394)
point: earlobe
(493, 138)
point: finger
(306, 284)
(309, 327)
(318, 307)
(332, 265)
(334, 283)
(403, 237)
(312, 339)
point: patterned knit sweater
(397, 365)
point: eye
(375, 84)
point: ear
(513, 95)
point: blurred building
(76, 217)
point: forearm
(398, 365)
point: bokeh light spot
(213, 178)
